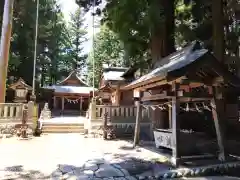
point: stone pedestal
(93, 110)
(92, 115)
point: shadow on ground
(116, 166)
(164, 157)
(113, 165)
(18, 172)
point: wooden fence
(115, 111)
(122, 119)
(120, 114)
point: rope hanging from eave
(93, 47)
(199, 107)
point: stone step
(62, 124)
(81, 131)
(62, 128)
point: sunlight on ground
(72, 151)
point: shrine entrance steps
(63, 125)
(68, 113)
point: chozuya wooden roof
(73, 77)
(20, 84)
(193, 63)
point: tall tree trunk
(126, 57)
(169, 7)
(218, 29)
(162, 44)
(162, 41)
(77, 46)
(157, 47)
(42, 79)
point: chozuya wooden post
(5, 45)
(218, 112)
(138, 120)
(175, 126)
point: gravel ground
(72, 156)
(56, 156)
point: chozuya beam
(5, 45)
(183, 96)
(160, 82)
(183, 81)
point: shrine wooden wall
(126, 98)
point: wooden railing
(11, 112)
(115, 111)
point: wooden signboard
(163, 139)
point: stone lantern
(21, 94)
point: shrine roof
(183, 61)
(130, 71)
(114, 73)
(70, 89)
(20, 83)
(73, 76)
(106, 87)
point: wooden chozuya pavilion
(190, 79)
(71, 94)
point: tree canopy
(58, 45)
(108, 50)
(77, 38)
(132, 32)
(158, 27)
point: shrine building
(111, 83)
(71, 94)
